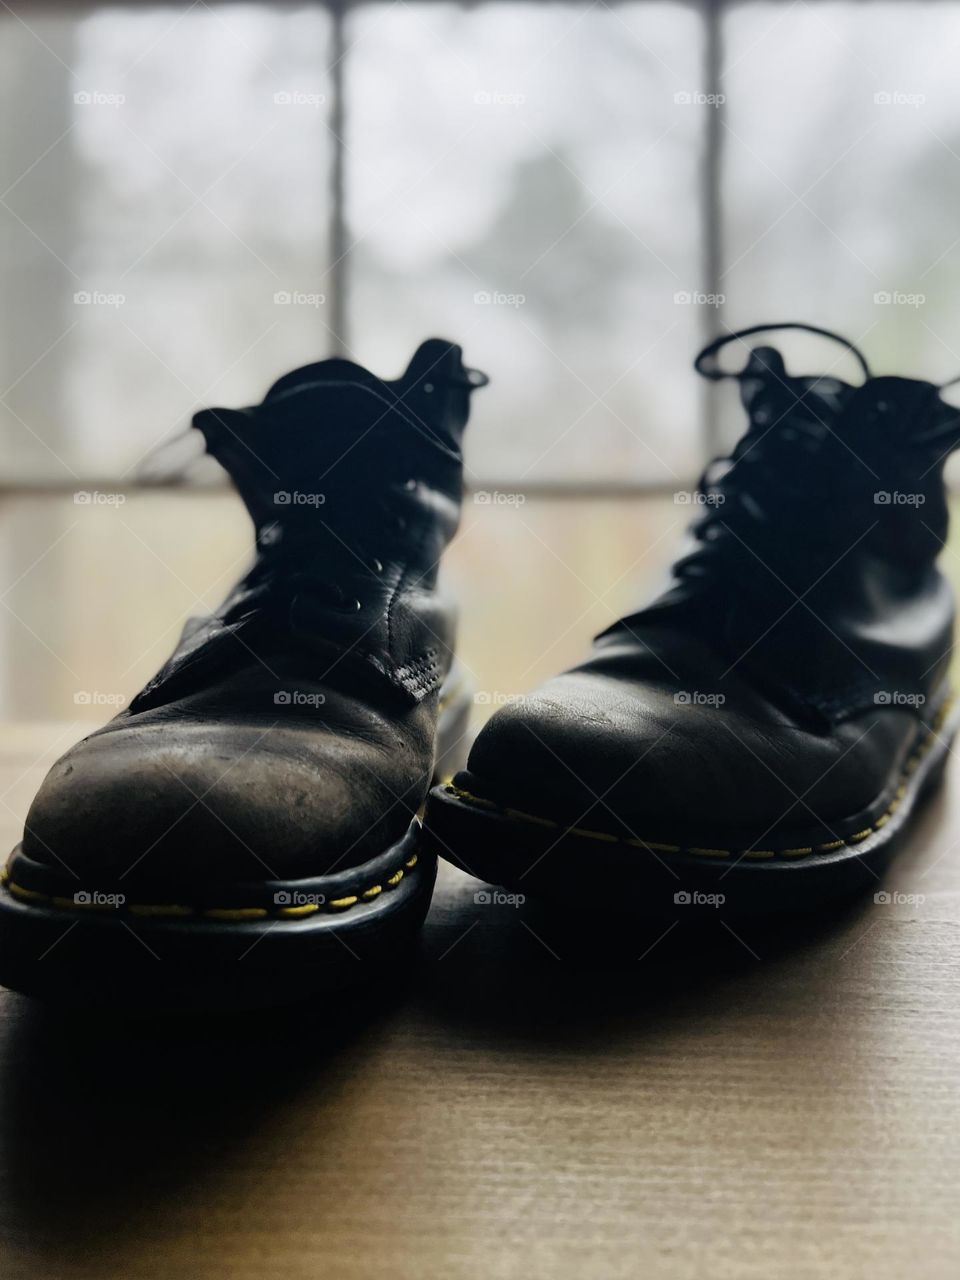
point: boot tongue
(434, 359)
(335, 369)
(333, 431)
(435, 362)
(899, 428)
(903, 411)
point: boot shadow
(542, 973)
(539, 973)
(107, 1120)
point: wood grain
(525, 1103)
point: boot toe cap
(642, 759)
(218, 802)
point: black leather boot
(760, 735)
(245, 832)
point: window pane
(843, 177)
(166, 175)
(523, 178)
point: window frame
(711, 14)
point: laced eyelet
(376, 565)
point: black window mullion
(338, 274)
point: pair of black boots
(246, 831)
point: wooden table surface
(769, 1105)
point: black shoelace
(746, 491)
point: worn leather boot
(244, 832)
(759, 736)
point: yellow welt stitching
(164, 909)
(652, 844)
(159, 909)
(235, 913)
(28, 895)
(530, 817)
(583, 833)
(468, 795)
(71, 904)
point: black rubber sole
(610, 873)
(169, 955)
(183, 947)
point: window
(195, 198)
(206, 196)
